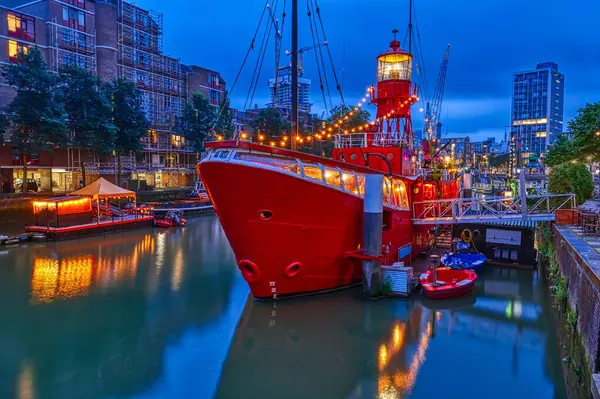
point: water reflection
(71, 276)
(163, 313)
(100, 317)
(339, 347)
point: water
(164, 314)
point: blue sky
(490, 40)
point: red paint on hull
(452, 283)
(298, 233)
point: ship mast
(294, 114)
(410, 26)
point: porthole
(265, 215)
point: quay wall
(579, 264)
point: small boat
(172, 219)
(450, 283)
(40, 237)
(463, 260)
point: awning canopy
(102, 188)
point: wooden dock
(89, 229)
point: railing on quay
(465, 210)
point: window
(21, 26)
(81, 41)
(15, 48)
(77, 3)
(73, 18)
(214, 97)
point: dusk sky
(490, 40)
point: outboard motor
(455, 243)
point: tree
(359, 117)
(197, 120)
(128, 117)
(499, 160)
(585, 142)
(225, 126)
(36, 116)
(571, 178)
(270, 122)
(88, 110)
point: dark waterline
(164, 314)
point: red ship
(294, 220)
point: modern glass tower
(537, 110)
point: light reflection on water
(163, 313)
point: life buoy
(249, 270)
(292, 270)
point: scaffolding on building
(160, 79)
(71, 47)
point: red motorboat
(294, 220)
(172, 219)
(451, 283)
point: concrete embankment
(572, 265)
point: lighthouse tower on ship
(386, 144)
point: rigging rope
(421, 60)
(250, 48)
(278, 37)
(338, 87)
(259, 61)
(315, 44)
(320, 50)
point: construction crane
(301, 56)
(433, 124)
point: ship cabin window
(332, 177)
(313, 172)
(399, 194)
(350, 182)
(386, 191)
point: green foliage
(572, 318)
(499, 160)
(88, 109)
(585, 144)
(128, 116)
(560, 289)
(4, 124)
(197, 120)
(35, 114)
(359, 118)
(270, 122)
(386, 287)
(571, 178)
(225, 126)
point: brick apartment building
(110, 38)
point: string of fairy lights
(328, 131)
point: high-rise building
(537, 109)
(281, 93)
(112, 39)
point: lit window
(81, 18)
(65, 13)
(12, 49)
(13, 22)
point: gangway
(537, 208)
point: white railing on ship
(355, 140)
(535, 207)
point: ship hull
(310, 228)
(293, 236)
